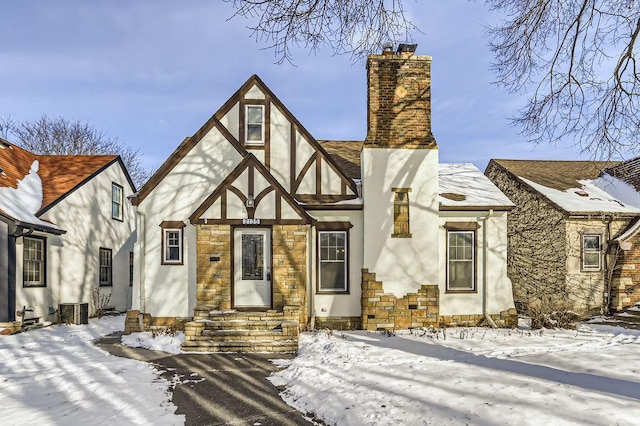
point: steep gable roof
(556, 174)
(190, 142)
(575, 187)
(251, 163)
(60, 174)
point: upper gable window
(254, 125)
(116, 201)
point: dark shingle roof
(560, 175)
(346, 154)
(627, 171)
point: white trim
(585, 251)
(167, 246)
(472, 285)
(344, 262)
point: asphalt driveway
(218, 389)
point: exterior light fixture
(250, 202)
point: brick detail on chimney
(399, 102)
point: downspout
(485, 273)
(142, 235)
(310, 275)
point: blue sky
(150, 72)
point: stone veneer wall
(213, 279)
(626, 278)
(383, 311)
(338, 323)
(289, 260)
(536, 259)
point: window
(254, 125)
(34, 262)
(172, 246)
(105, 267)
(591, 252)
(172, 242)
(461, 260)
(116, 201)
(333, 261)
(401, 213)
(130, 268)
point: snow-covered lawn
(589, 376)
(55, 375)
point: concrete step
(284, 346)
(242, 324)
(627, 317)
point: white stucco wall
(499, 293)
(402, 264)
(169, 290)
(332, 305)
(73, 258)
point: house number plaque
(251, 221)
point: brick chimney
(399, 100)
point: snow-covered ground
(56, 375)
(589, 376)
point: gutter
(485, 273)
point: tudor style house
(65, 230)
(573, 235)
(254, 224)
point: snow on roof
(22, 202)
(463, 185)
(605, 194)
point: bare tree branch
(59, 136)
(567, 49)
(354, 27)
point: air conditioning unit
(74, 313)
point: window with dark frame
(106, 269)
(172, 246)
(333, 261)
(34, 262)
(116, 201)
(254, 125)
(591, 252)
(401, 213)
(460, 260)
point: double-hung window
(116, 201)
(591, 252)
(333, 261)
(34, 262)
(172, 246)
(254, 125)
(461, 268)
(105, 273)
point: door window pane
(253, 257)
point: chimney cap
(406, 48)
(387, 48)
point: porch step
(283, 346)
(242, 331)
(630, 315)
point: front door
(252, 267)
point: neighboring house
(252, 213)
(66, 229)
(567, 233)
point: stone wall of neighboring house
(214, 279)
(586, 289)
(626, 277)
(537, 243)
